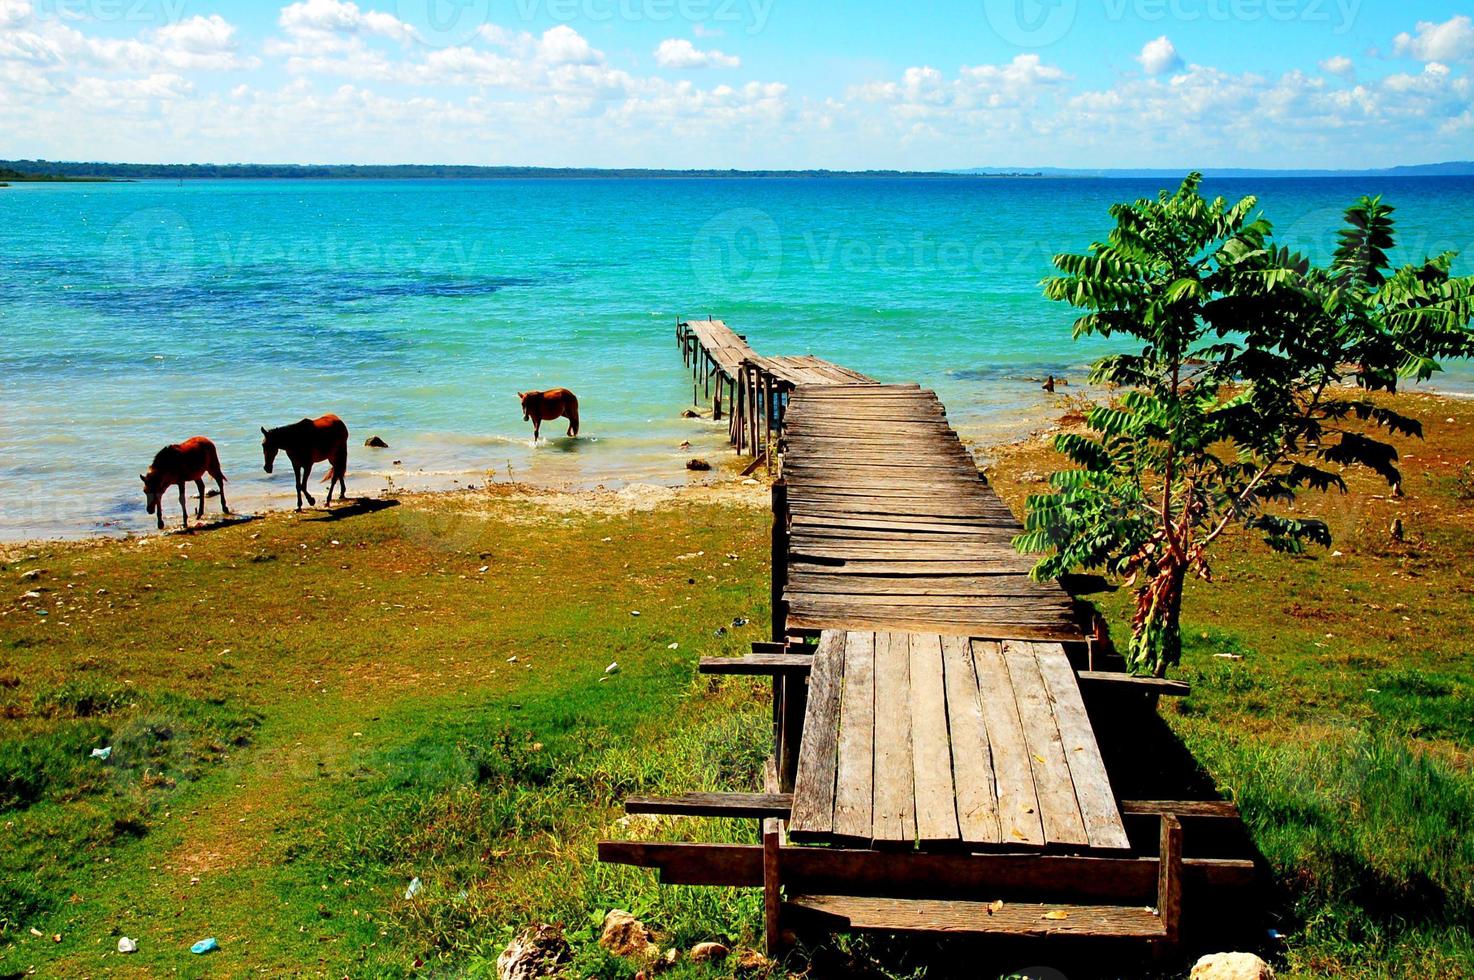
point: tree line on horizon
(415, 171)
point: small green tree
(1249, 385)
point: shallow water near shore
(135, 315)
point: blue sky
(741, 83)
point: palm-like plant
(1250, 373)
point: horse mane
(165, 456)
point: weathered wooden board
(895, 796)
(854, 785)
(931, 747)
(813, 792)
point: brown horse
(544, 406)
(183, 463)
(306, 442)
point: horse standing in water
(306, 442)
(544, 406)
(183, 463)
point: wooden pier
(935, 764)
(749, 390)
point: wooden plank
(905, 620)
(972, 756)
(1107, 680)
(848, 583)
(1018, 803)
(1214, 809)
(894, 818)
(931, 755)
(757, 664)
(854, 782)
(921, 526)
(1169, 878)
(1016, 919)
(840, 549)
(1058, 808)
(714, 804)
(813, 792)
(860, 596)
(860, 568)
(1094, 797)
(772, 887)
(814, 869)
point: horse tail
(338, 465)
(212, 464)
(572, 414)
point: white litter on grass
(613, 668)
(102, 753)
(126, 945)
(413, 889)
(674, 646)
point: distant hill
(1455, 169)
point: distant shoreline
(44, 170)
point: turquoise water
(134, 315)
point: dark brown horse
(183, 463)
(306, 442)
(544, 406)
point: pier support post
(772, 896)
(780, 561)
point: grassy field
(307, 713)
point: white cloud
(199, 43)
(14, 13)
(677, 52)
(562, 45)
(342, 17)
(1339, 65)
(199, 35)
(1452, 40)
(110, 93)
(926, 90)
(1159, 56)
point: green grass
(1333, 699)
(307, 714)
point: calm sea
(134, 315)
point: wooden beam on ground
(1016, 919)
(822, 870)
